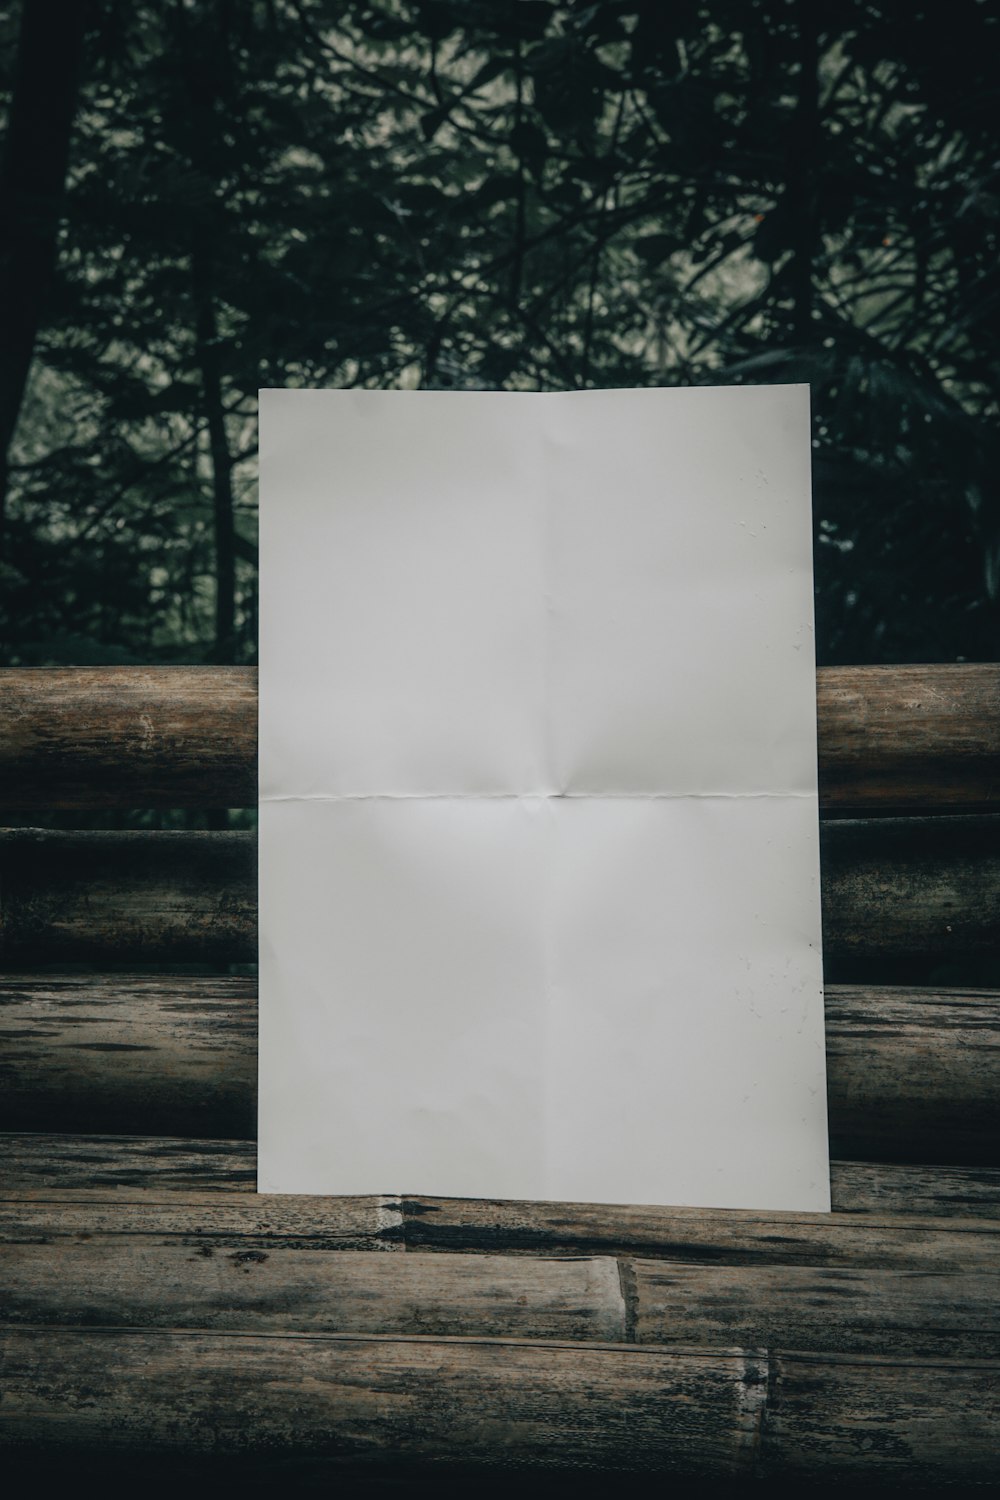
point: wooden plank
(822, 1308)
(36, 1162)
(386, 1400)
(900, 737)
(921, 1422)
(89, 737)
(690, 1236)
(694, 1236)
(246, 1222)
(893, 890)
(911, 1074)
(137, 1281)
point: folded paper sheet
(539, 869)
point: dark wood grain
(139, 1280)
(40, 1161)
(864, 1419)
(99, 1230)
(903, 889)
(842, 1309)
(237, 1221)
(890, 738)
(144, 898)
(906, 738)
(693, 1236)
(383, 1400)
(177, 1053)
(913, 1075)
(900, 1067)
(687, 1236)
(906, 888)
(137, 1166)
(934, 1191)
(98, 737)
(432, 1403)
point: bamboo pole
(913, 1075)
(891, 739)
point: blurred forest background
(202, 197)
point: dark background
(201, 197)
(197, 199)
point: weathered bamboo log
(244, 1222)
(499, 1403)
(178, 1053)
(826, 1309)
(944, 1192)
(901, 888)
(247, 1223)
(92, 737)
(37, 1163)
(906, 738)
(694, 1236)
(901, 1422)
(386, 1400)
(900, 1074)
(41, 1161)
(138, 1282)
(899, 737)
(912, 1074)
(132, 897)
(893, 889)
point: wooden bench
(154, 1305)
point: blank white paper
(539, 868)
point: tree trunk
(207, 340)
(803, 178)
(203, 48)
(32, 182)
